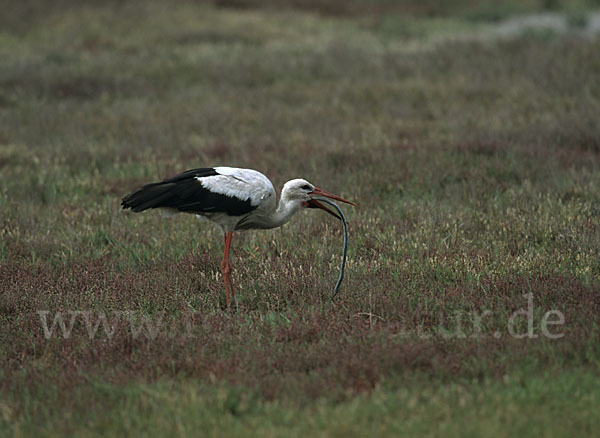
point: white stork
(235, 199)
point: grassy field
(475, 161)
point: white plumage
(239, 183)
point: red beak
(314, 203)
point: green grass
(475, 162)
(455, 409)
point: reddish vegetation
(319, 349)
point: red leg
(226, 269)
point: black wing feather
(185, 193)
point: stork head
(300, 190)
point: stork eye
(306, 187)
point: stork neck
(284, 212)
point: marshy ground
(474, 156)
